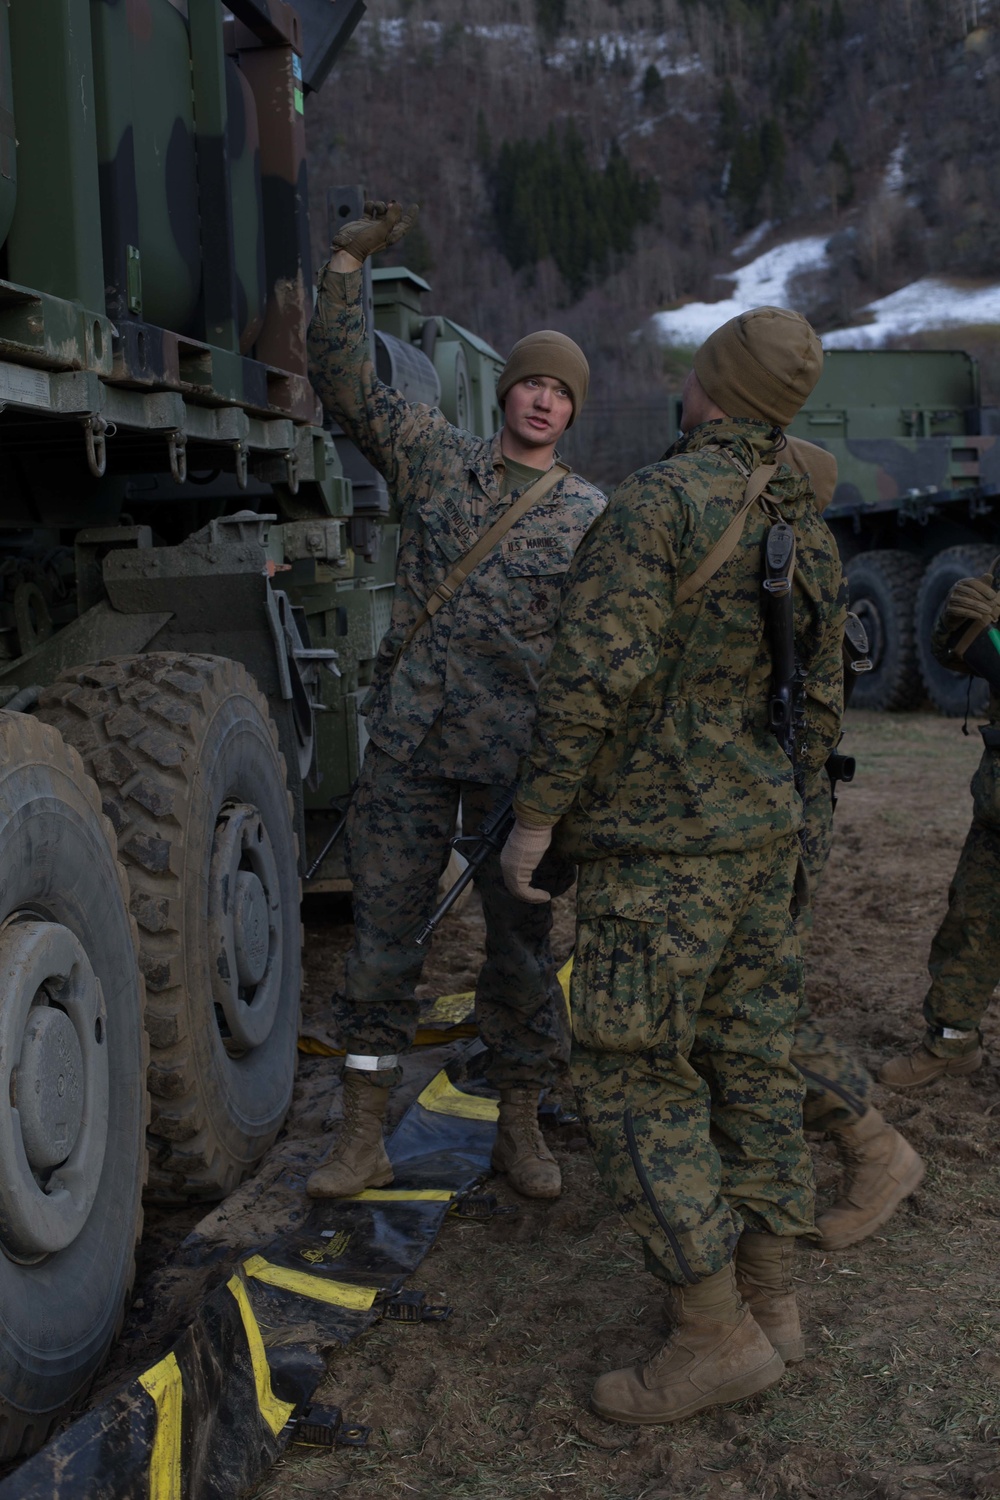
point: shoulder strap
(449, 586)
(727, 543)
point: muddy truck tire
(952, 693)
(186, 757)
(73, 1059)
(883, 592)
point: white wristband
(363, 1062)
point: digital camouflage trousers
(401, 820)
(838, 1086)
(682, 1037)
(964, 960)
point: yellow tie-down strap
(275, 1413)
(441, 1097)
(319, 1288)
(165, 1384)
(402, 1195)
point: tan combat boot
(881, 1170)
(764, 1280)
(520, 1150)
(716, 1353)
(357, 1159)
(921, 1067)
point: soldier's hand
(520, 858)
(971, 600)
(383, 225)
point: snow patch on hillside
(930, 303)
(765, 280)
(925, 304)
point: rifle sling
(728, 541)
(449, 586)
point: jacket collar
(749, 442)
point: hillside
(586, 163)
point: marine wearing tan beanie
(761, 364)
(548, 353)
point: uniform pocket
(628, 987)
(535, 568)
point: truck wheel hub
(54, 1066)
(49, 1087)
(245, 927)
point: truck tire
(186, 756)
(949, 691)
(73, 1057)
(883, 588)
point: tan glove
(971, 600)
(520, 858)
(383, 225)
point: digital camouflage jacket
(652, 736)
(472, 670)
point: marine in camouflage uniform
(448, 716)
(964, 960)
(653, 756)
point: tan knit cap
(547, 353)
(817, 464)
(761, 364)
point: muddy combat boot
(921, 1067)
(520, 1150)
(764, 1280)
(881, 1170)
(717, 1353)
(357, 1158)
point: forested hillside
(584, 163)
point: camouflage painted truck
(917, 505)
(194, 575)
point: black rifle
(786, 704)
(338, 829)
(476, 848)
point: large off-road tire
(187, 760)
(883, 588)
(949, 691)
(73, 1058)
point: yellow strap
(441, 1097)
(318, 1288)
(275, 1413)
(401, 1195)
(727, 543)
(564, 977)
(166, 1386)
(481, 548)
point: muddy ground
(900, 1396)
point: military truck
(194, 576)
(917, 505)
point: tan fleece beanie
(547, 353)
(817, 464)
(762, 364)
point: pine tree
(836, 25)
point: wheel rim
(867, 612)
(54, 1077)
(245, 927)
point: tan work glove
(383, 225)
(971, 600)
(520, 858)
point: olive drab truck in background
(194, 576)
(917, 505)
